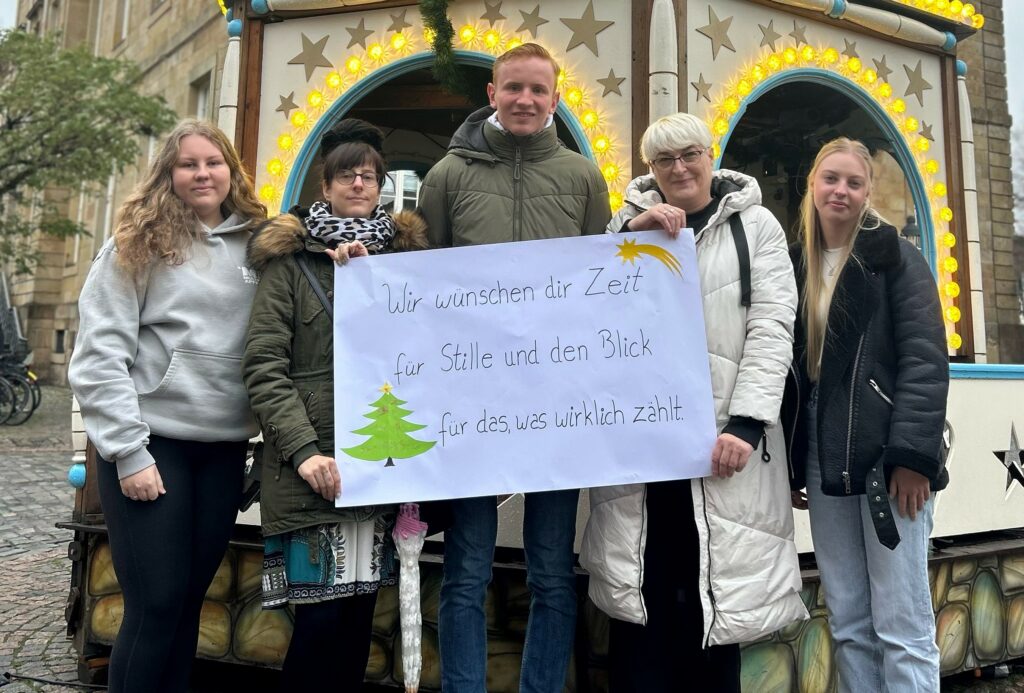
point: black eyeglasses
(691, 156)
(349, 177)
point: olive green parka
(495, 187)
(288, 368)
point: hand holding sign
(532, 366)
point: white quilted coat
(749, 574)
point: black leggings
(330, 645)
(668, 653)
(165, 554)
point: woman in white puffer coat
(688, 569)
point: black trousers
(330, 645)
(667, 655)
(165, 554)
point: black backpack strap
(739, 237)
(300, 260)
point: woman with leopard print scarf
(327, 562)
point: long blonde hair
(817, 293)
(154, 223)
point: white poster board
(518, 367)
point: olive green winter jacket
(288, 368)
(494, 187)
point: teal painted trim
(260, 6)
(961, 68)
(304, 159)
(235, 28)
(838, 9)
(986, 371)
(904, 157)
(950, 43)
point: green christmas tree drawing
(388, 432)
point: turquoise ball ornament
(76, 475)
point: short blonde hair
(672, 133)
(526, 50)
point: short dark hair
(350, 143)
(351, 155)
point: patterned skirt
(316, 564)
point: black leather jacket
(884, 373)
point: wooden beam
(437, 124)
(640, 31)
(413, 97)
(955, 198)
(846, 26)
(298, 14)
(247, 126)
(682, 70)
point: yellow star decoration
(733, 94)
(630, 252)
(385, 388)
(308, 107)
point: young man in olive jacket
(507, 178)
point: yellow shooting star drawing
(629, 251)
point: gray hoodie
(162, 354)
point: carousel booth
(774, 79)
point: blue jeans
(879, 601)
(549, 530)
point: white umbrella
(409, 535)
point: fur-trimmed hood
(285, 234)
(738, 191)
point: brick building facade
(985, 55)
(179, 46)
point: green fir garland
(446, 70)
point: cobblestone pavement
(34, 569)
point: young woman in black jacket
(864, 412)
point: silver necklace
(830, 266)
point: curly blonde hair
(154, 223)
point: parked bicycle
(20, 394)
(19, 389)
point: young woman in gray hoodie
(157, 372)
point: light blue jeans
(549, 530)
(879, 601)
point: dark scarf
(375, 231)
